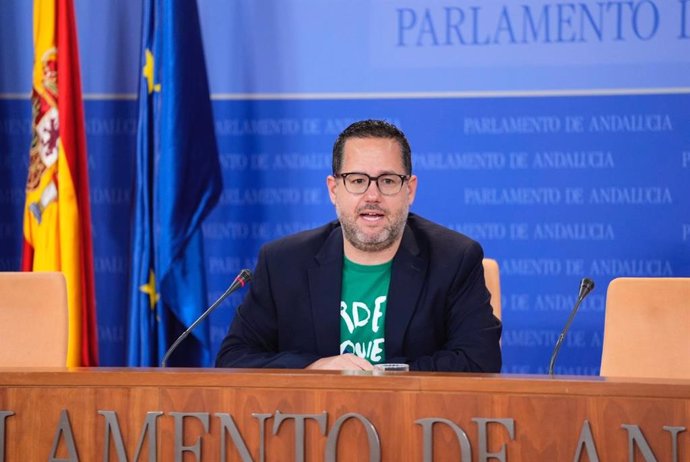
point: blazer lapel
(325, 281)
(407, 279)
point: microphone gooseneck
(586, 286)
(244, 277)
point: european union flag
(178, 182)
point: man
(378, 285)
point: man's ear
(411, 189)
(331, 183)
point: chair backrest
(492, 277)
(33, 319)
(647, 328)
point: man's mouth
(371, 215)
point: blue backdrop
(555, 133)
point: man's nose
(372, 191)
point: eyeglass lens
(358, 183)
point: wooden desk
(200, 414)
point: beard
(381, 240)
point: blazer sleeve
(472, 331)
(252, 340)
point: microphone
(242, 278)
(586, 286)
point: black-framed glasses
(389, 184)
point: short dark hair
(372, 129)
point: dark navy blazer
(438, 316)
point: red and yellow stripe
(57, 218)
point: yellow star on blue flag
(150, 289)
(148, 72)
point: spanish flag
(57, 218)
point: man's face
(372, 221)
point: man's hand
(346, 362)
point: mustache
(371, 208)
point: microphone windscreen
(586, 286)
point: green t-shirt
(363, 310)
